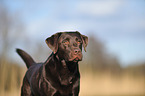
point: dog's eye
(78, 42)
(65, 42)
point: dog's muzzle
(76, 55)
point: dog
(59, 74)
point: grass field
(109, 85)
(105, 85)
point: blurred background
(114, 64)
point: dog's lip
(76, 59)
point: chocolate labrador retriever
(59, 74)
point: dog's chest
(65, 78)
(56, 89)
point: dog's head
(68, 45)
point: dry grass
(109, 85)
(105, 85)
(92, 83)
(12, 93)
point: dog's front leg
(76, 92)
(76, 88)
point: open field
(105, 84)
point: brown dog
(59, 74)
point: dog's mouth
(76, 59)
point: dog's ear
(52, 42)
(84, 40)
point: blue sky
(120, 24)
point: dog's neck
(66, 70)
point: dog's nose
(77, 51)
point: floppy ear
(52, 42)
(84, 40)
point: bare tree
(98, 58)
(10, 26)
